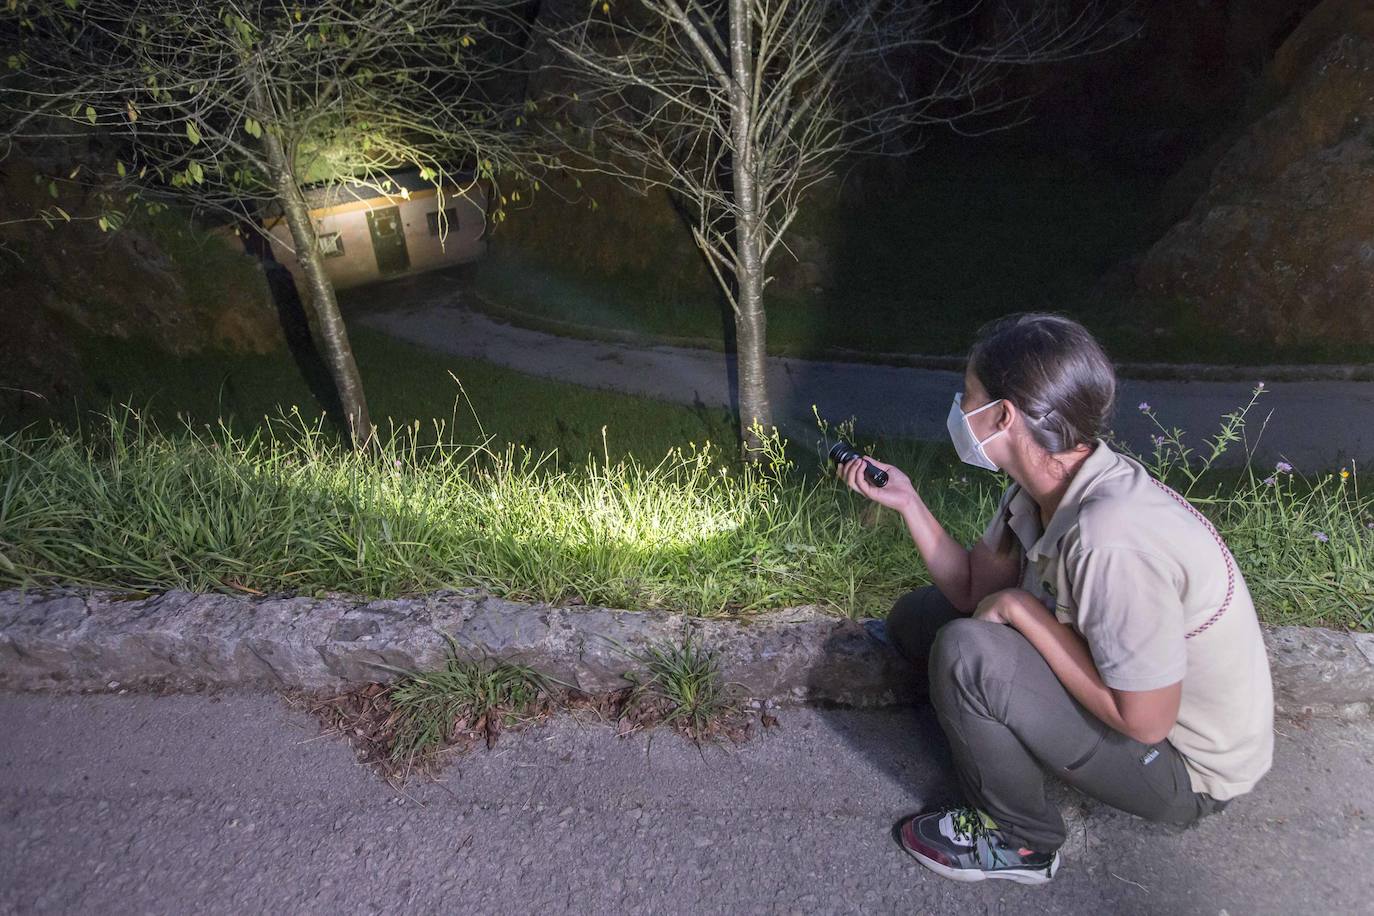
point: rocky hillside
(1280, 246)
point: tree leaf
(191, 133)
(253, 128)
(90, 114)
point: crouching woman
(1099, 629)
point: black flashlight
(842, 453)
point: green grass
(486, 696)
(282, 509)
(683, 684)
(404, 383)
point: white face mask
(965, 441)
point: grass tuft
(683, 688)
(405, 727)
(474, 696)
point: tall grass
(1305, 544)
(283, 509)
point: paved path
(233, 804)
(1314, 425)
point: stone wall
(68, 639)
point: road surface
(1314, 425)
(234, 804)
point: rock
(1280, 247)
(1321, 668)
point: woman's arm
(965, 576)
(962, 575)
(1145, 715)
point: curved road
(1315, 425)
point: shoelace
(968, 822)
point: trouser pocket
(1084, 758)
(1148, 780)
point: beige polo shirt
(1132, 570)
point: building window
(331, 245)
(450, 221)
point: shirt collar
(1101, 460)
(1023, 516)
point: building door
(388, 240)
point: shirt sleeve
(1131, 615)
(999, 527)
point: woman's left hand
(1003, 606)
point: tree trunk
(329, 323)
(751, 355)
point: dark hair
(1053, 370)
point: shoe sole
(972, 875)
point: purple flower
(1269, 481)
(1320, 536)
(1284, 467)
(1259, 384)
(1157, 440)
(398, 465)
(1144, 405)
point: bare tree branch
(740, 107)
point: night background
(1188, 186)
(463, 373)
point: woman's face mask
(961, 434)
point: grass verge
(404, 383)
(283, 510)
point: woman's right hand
(899, 493)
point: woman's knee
(914, 619)
(906, 608)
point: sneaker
(963, 843)
(878, 630)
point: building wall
(358, 262)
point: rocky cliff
(1280, 246)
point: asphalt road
(1314, 425)
(235, 804)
